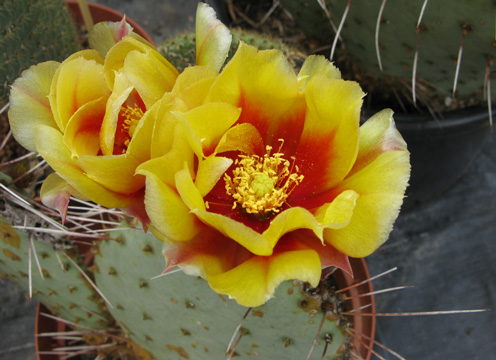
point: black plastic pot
(441, 150)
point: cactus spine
(442, 50)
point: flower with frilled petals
(90, 117)
(260, 175)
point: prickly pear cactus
(28, 29)
(179, 316)
(444, 28)
(181, 50)
(62, 289)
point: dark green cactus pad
(32, 31)
(179, 317)
(64, 291)
(181, 50)
(443, 25)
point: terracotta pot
(103, 13)
(364, 325)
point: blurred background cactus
(433, 54)
(32, 31)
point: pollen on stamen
(261, 185)
(132, 115)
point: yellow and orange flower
(91, 118)
(260, 175)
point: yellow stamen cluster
(132, 115)
(261, 185)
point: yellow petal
(122, 89)
(380, 176)
(114, 172)
(316, 65)
(167, 211)
(337, 214)
(253, 282)
(78, 81)
(149, 75)
(242, 234)
(140, 145)
(213, 38)
(329, 143)
(242, 137)
(166, 166)
(193, 84)
(116, 57)
(55, 193)
(264, 85)
(82, 131)
(29, 105)
(377, 135)
(211, 121)
(51, 147)
(289, 220)
(187, 190)
(106, 34)
(210, 171)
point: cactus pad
(64, 291)
(179, 317)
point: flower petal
(329, 142)
(316, 65)
(213, 38)
(122, 90)
(78, 81)
(29, 105)
(117, 55)
(151, 78)
(254, 281)
(55, 193)
(264, 85)
(167, 211)
(115, 172)
(337, 214)
(82, 130)
(51, 147)
(106, 34)
(380, 178)
(242, 137)
(210, 121)
(193, 84)
(240, 233)
(209, 172)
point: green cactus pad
(64, 291)
(443, 25)
(179, 317)
(181, 50)
(32, 31)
